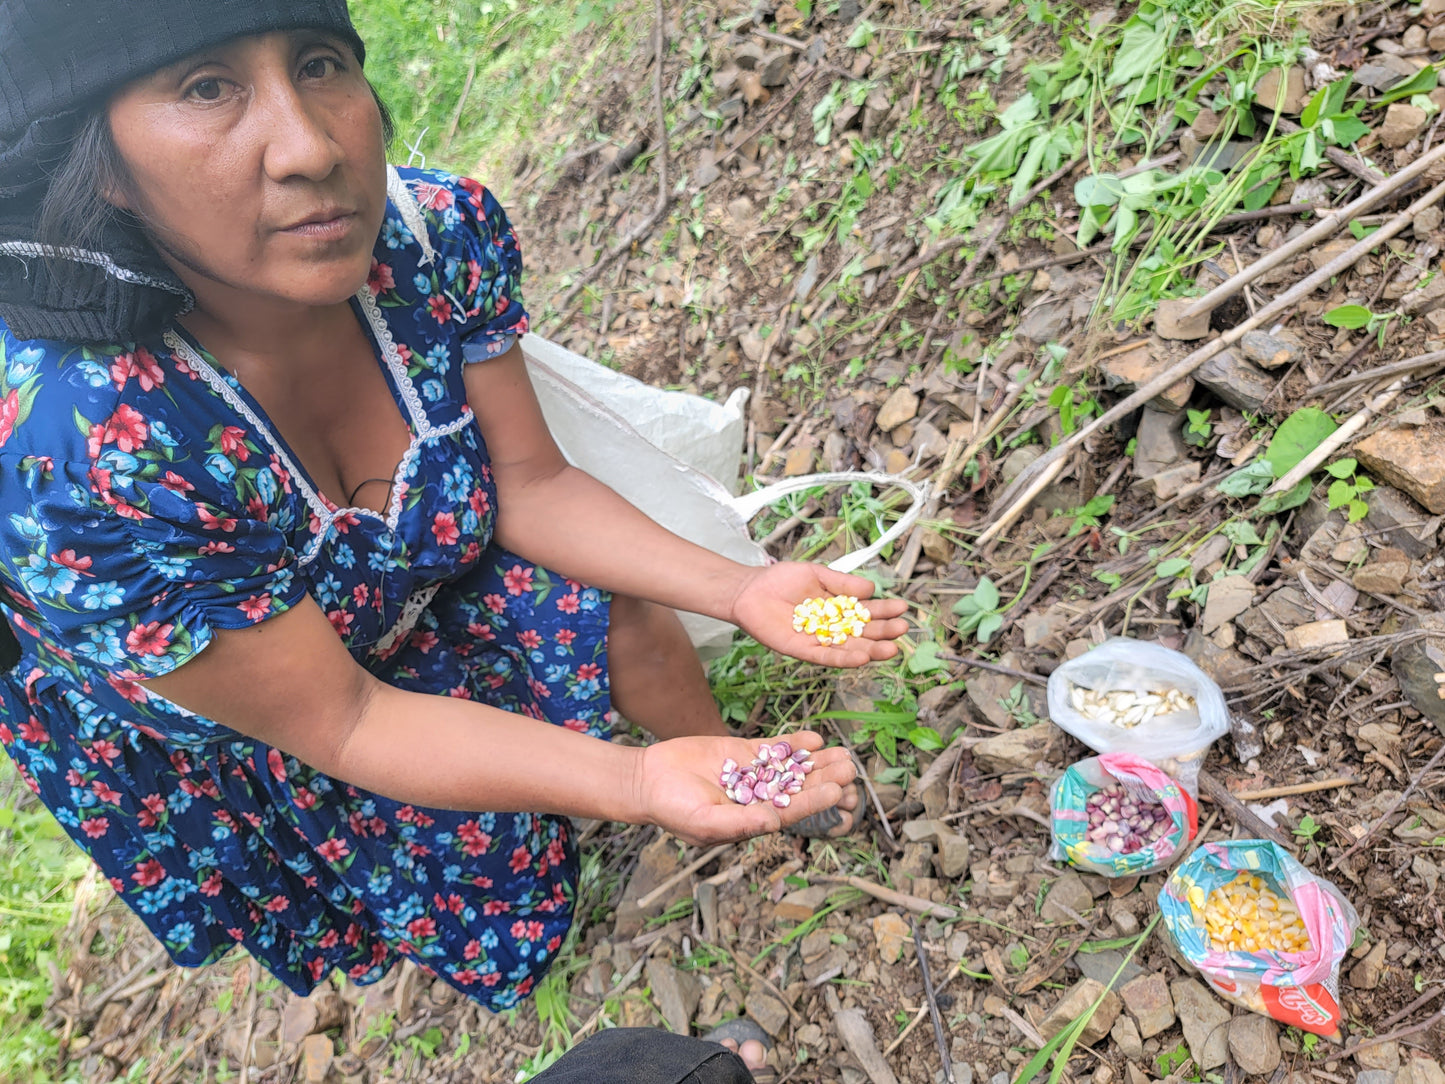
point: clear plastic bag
(1069, 818)
(1300, 989)
(1175, 742)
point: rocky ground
(882, 345)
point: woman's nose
(298, 140)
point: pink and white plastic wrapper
(1069, 818)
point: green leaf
(1312, 111)
(986, 594)
(1358, 511)
(1248, 481)
(925, 660)
(1097, 506)
(1298, 435)
(1340, 493)
(1283, 502)
(926, 738)
(1361, 232)
(1098, 190)
(1342, 468)
(1346, 129)
(1353, 317)
(1142, 48)
(990, 624)
(1175, 566)
(1423, 82)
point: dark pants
(646, 1056)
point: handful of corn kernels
(831, 620)
(1125, 708)
(1246, 915)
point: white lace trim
(420, 423)
(95, 259)
(402, 197)
(407, 619)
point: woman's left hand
(764, 610)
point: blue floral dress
(145, 502)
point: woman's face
(258, 167)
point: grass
(471, 81)
(39, 869)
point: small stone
(799, 461)
(1267, 91)
(1317, 634)
(891, 932)
(1408, 457)
(1159, 443)
(1103, 966)
(1170, 322)
(1402, 124)
(1044, 323)
(1070, 892)
(1271, 351)
(953, 856)
(1385, 1056)
(1103, 1074)
(896, 461)
(1148, 1001)
(298, 1020)
(937, 548)
(898, 408)
(1435, 39)
(1238, 382)
(1020, 750)
(1074, 1003)
(768, 1012)
(317, 1053)
(776, 68)
(802, 904)
(1366, 974)
(1413, 38)
(1205, 1022)
(1228, 597)
(1126, 1037)
(1397, 521)
(1376, 1076)
(1425, 298)
(1425, 1071)
(1135, 368)
(676, 993)
(1385, 575)
(1385, 71)
(1426, 221)
(1254, 1043)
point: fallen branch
(1338, 439)
(916, 904)
(1032, 480)
(1408, 365)
(1437, 1017)
(1243, 817)
(1297, 788)
(932, 1005)
(681, 875)
(1325, 227)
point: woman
(300, 581)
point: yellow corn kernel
(1246, 915)
(831, 620)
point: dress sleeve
(132, 577)
(481, 260)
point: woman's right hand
(677, 788)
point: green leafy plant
(1355, 317)
(1072, 405)
(1169, 1062)
(1306, 833)
(1348, 487)
(1090, 514)
(1197, 429)
(978, 611)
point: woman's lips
(331, 228)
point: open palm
(764, 609)
(680, 791)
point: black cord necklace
(351, 500)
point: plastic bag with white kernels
(1128, 696)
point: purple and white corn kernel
(1122, 822)
(774, 775)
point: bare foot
(752, 1052)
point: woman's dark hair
(75, 213)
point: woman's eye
(320, 67)
(207, 90)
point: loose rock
(1271, 351)
(1402, 124)
(770, 1014)
(1386, 574)
(1228, 597)
(1366, 974)
(1148, 1001)
(675, 992)
(891, 932)
(1019, 750)
(1125, 1034)
(1416, 664)
(898, 408)
(1238, 382)
(1205, 1022)
(1070, 892)
(1076, 1002)
(1254, 1043)
(1408, 457)
(1170, 322)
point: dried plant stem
(916, 904)
(1033, 480)
(1394, 807)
